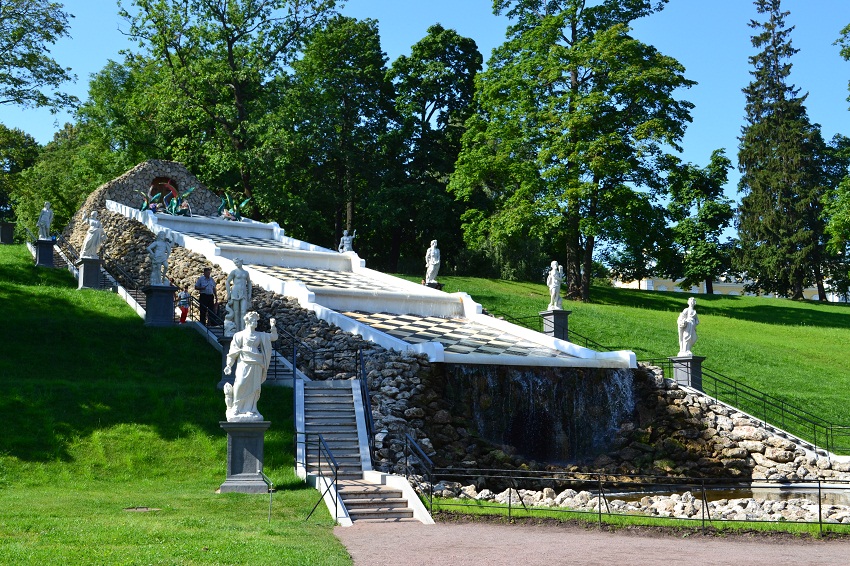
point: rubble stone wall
(672, 431)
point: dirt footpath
(462, 544)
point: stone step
(328, 384)
(325, 403)
(361, 489)
(375, 502)
(351, 459)
(327, 420)
(389, 520)
(335, 442)
(326, 429)
(380, 513)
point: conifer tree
(780, 159)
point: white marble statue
(45, 219)
(345, 243)
(229, 324)
(251, 351)
(159, 250)
(432, 263)
(554, 281)
(687, 324)
(95, 237)
(238, 286)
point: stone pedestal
(89, 276)
(245, 443)
(687, 370)
(556, 324)
(44, 253)
(225, 347)
(7, 232)
(159, 306)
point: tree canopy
(29, 76)
(780, 157)
(573, 114)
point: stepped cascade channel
(555, 415)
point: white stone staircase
(331, 409)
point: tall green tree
(67, 169)
(339, 112)
(701, 213)
(434, 87)
(571, 110)
(18, 151)
(29, 76)
(222, 58)
(780, 224)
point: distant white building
(720, 288)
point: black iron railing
(70, 253)
(419, 470)
(773, 412)
(608, 493)
(319, 363)
(531, 322)
(366, 399)
(324, 466)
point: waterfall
(555, 415)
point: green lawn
(103, 414)
(791, 350)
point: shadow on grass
(750, 309)
(76, 362)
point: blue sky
(710, 38)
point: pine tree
(780, 159)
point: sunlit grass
(793, 350)
(105, 414)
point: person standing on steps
(183, 303)
(205, 285)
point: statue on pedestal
(554, 281)
(95, 237)
(687, 324)
(159, 250)
(345, 243)
(45, 218)
(238, 286)
(432, 263)
(251, 351)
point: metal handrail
(531, 322)
(427, 471)
(32, 237)
(325, 455)
(367, 406)
(318, 363)
(588, 343)
(537, 324)
(770, 410)
(613, 486)
(69, 250)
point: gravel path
(462, 544)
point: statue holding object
(251, 352)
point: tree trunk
(819, 283)
(574, 255)
(709, 286)
(587, 272)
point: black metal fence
(773, 412)
(705, 502)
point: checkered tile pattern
(324, 278)
(458, 335)
(241, 240)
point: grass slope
(791, 350)
(104, 414)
